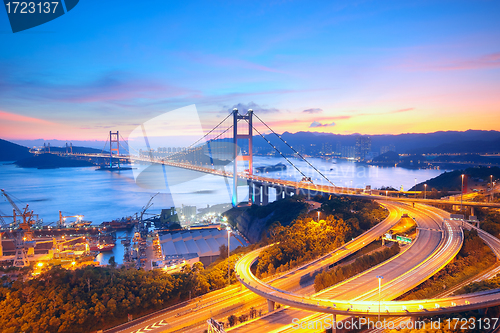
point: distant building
(363, 147)
(348, 151)
(385, 149)
(326, 148)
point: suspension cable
(286, 158)
(203, 137)
(296, 152)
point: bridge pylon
(114, 147)
(247, 135)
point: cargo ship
(124, 223)
(102, 247)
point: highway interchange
(438, 241)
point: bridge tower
(114, 147)
(247, 135)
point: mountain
(472, 141)
(12, 152)
(51, 161)
(461, 147)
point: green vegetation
(307, 239)
(473, 258)
(490, 221)
(329, 278)
(254, 221)
(474, 287)
(93, 298)
(452, 181)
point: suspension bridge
(227, 150)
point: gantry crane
(23, 233)
(62, 219)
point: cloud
(23, 119)
(243, 108)
(487, 61)
(315, 110)
(226, 62)
(401, 110)
(318, 124)
(111, 87)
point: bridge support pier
(334, 323)
(265, 195)
(257, 192)
(270, 305)
(251, 197)
(280, 191)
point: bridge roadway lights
(270, 305)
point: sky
(370, 67)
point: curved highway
(353, 306)
(402, 274)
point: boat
(102, 247)
(123, 223)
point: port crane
(23, 234)
(147, 206)
(62, 219)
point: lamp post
(491, 188)
(461, 193)
(228, 265)
(425, 191)
(379, 277)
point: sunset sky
(343, 67)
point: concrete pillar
(471, 211)
(265, 195)
(250, 192)
(383, 241)
(279, 192)
(258, 191)
(270, 305)
(334, 323)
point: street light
(461, 193)
(379, 277)
(425, 191)
(228, 267)
(491, 188)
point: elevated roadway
(231, 299)
(435, 246)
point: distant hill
(471, 141)
(12, 152)
(78, 150)
(51, 161)
(452, 181)
(461, 147)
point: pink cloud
(24, 119)
(483, 62)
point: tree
(112, 261)
(232, 320)
(223, 251)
